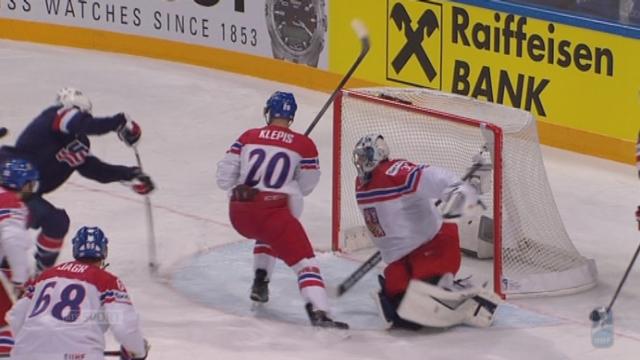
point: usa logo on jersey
(73, 154)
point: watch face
(295, 23)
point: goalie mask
(280, 105)
(69, 97)
(369, 152)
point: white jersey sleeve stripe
(409, 186)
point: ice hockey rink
(199, 308)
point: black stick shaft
(624, 278)
(150, 226)
(359, 273)
(347, 76)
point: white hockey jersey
(398, 205)
(272, 158)
(66, 311)
(15, 242)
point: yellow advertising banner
(565, 75)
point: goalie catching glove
(130, 131)
(458, 199)
(481, 177)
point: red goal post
(533, 254)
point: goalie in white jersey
(397, 200)
(68, 308)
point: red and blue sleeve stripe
(115, 296)
(236, 148)
(310, 164)
(390, 193)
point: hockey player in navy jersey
(57, 143)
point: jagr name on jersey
(74, 268)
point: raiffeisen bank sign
(494, 57)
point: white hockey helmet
(70, 97)
(370, 150)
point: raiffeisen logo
(414, 37)
(517, 64)
(508, 35)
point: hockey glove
(130, 131)
(126, 355)
(141, 182)
(458, 199)
(638, 217)
(18, 289)
(481, 178)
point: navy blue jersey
(57, 143)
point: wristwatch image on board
(297, 29)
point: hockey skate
(260, 287)
(319, 318)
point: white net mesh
(536, 256)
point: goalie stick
(151, 235)
(371, 262)
(365, 45)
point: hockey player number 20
(67, 308)
(258, 172)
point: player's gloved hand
(638, 216)
(128, 355)
(141, 182)
(18, 289)
(458, 199)
(130, 131)
(481, 178)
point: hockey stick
(371, 262)
(363, 35)
(358, 274)
(602, 317)
(151, 235)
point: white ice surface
(190, 116)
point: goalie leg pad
(480, 309)
(387, 308)
(420, 306)
(432, 306)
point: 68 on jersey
(60, 301)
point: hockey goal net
(532, 252)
